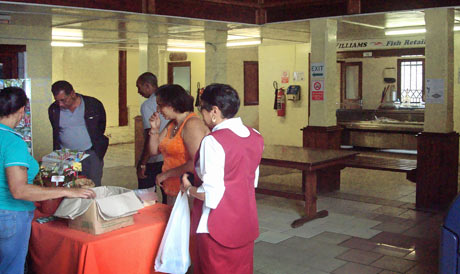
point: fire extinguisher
(281, 102)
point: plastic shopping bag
(173, 255)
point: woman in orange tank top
(179, 141)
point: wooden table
(309, 160)
(55, 248)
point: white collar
(229, 123)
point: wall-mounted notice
(317, 70)
(317, 90)
(435, 91)
(285, 77)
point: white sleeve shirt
(211, 169)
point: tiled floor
(372, 226)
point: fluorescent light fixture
(66, 44)
(185, 49)
(405, 31)
(67, 34)
(243, 43)
(411, 30)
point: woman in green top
(17, 193)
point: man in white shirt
(148, 166)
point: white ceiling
(123, 30)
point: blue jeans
(14, 240)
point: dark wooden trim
(381, 53)
(122, 89)
(12, 48)
(251, 84)
(328, 137)
(373, 6)
(278, 193)
(437, 169)
(284, 3)
(353, 6)
(309, 86)
(246, 3)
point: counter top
(384, 126)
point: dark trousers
(92, 167)
(151, 171)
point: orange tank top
(174, 154)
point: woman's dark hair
(11, 100)
(222, 96)
(176, 97)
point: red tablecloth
(55, 248)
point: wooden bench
(385, 163)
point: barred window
(411, 78)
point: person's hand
(80, 193)
(161, 178)
(141, 172)
(155, 121)
(184, 183)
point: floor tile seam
(402, 232)
(385, 202)
(381, 255)
(379, 268)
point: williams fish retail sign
(393, 43)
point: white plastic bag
(173, 255)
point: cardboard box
(92, 222)
(113, 208)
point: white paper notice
(435, 91)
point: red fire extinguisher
(281, 102)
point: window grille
(412, 81)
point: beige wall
(272, 61)
(92, 72)
(235, 78)
(38, 69)
(373, 78)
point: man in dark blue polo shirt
(79, 123)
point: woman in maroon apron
(224, 216)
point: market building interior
(372, 93)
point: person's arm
(103, 118)
(21, 190)
(143, 159)
(192, 133)
(52, 118)
(186, 187)
(155, 135)
(212, 166)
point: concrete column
(437, 145)
(323, 50)
(216, 56)
(439, 65)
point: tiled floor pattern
(372, 226)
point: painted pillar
(323, 52)
(322, 130)
(216, 56)
(437, 145)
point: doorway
(179, 73)
(12, 61)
